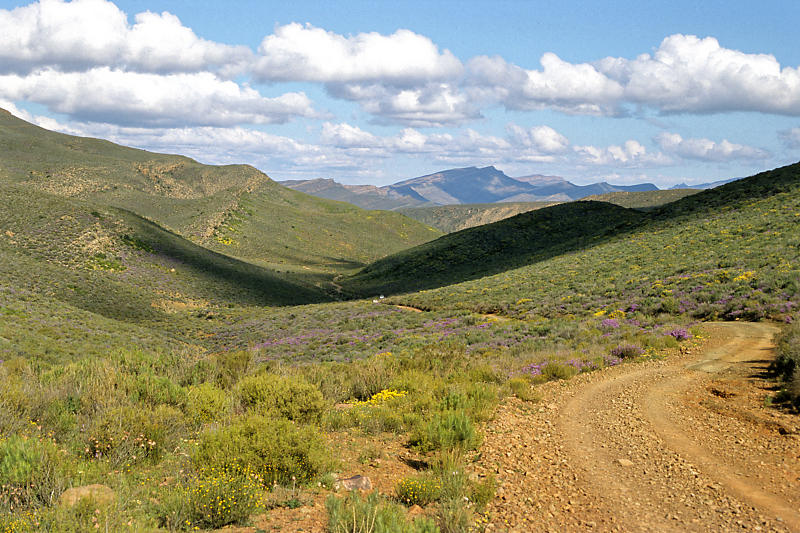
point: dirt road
(682, 444)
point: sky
(379, 91)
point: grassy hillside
(233, 209)
(450, 218)
(730, 252)
(478, 252)
(292, 231)
(643, 199)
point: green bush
(788, 351)
(481, 493)
(157, 390)
(289, 397)
(31, 472)
(521, 388)
(220, 497)
(275, 449)
(418, 490)
(446, 430)
(554, 371)
(787, 363)
(231, 366)
(129, 434)
(373, 514)
(205, 402)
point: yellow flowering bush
(418, 490)
(383, 396)
(219, 497)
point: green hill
(729, 252)
(643, 199)
(233, 209)
(450, 218)
(485, 250)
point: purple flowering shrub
(679, 334)
(610, 323)
(626, 351)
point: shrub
(289, 397)
(679, 334)
(446, 430)
(788, 350)
(522, 389)
(129, 434)
(220, 497)
(231, 366)
(481, 493)
(373, 514)
(275, 449)
(157, 390)
(626, 351)
(418, 490)
(31, 472)
(205, 402)
(787, 363)
(555, 370)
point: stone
(100, 494)
(625, 462)
(357, 482)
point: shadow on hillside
(475, 253)
(539, 235)
(263, 286)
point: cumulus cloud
(689, 74)
(629, 154)
(426, 106)
(402, 78)
(543, 139)
(297, 52)
(83, 34)
(686, 74)
(706, 149)
(571, 88)
(130, 98)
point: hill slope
(642, 199)
(200, 202)
(729, 252)
(478, 252)
(450, 218)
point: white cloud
(344, 135)
(686, 74)
(706, 149)
(689, 74)
(543, 139)
(571, 88)
(431, 105)
(83, 34)
(130, 98)
(629, 154)
(296, 52)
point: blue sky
(376, 92)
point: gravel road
(680, 444)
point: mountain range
(470, 185)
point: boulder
(354, 483)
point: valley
(217, 349)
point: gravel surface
(681, 444)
